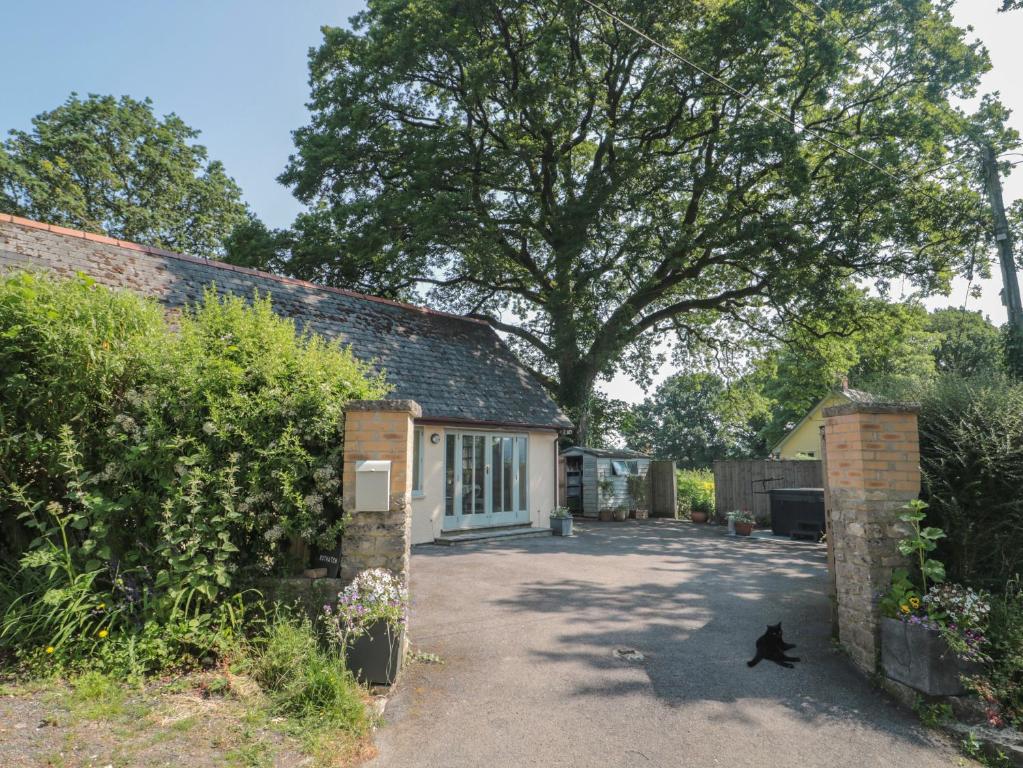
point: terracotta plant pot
(620, 515)
(605, 515)
(641, 514)
(698, 517)
(743, 529)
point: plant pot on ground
(741, 523)
(605, 515)
(620, 514)
(375, 656)
(918, 656)
(561, 522)
(368, 624)
(698, 516)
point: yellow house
(804, 440)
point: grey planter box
(562, 526)
(920, 658)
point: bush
(695, 491)
(305, 681)
(971, 443)
(151, 470)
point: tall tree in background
(112, 167)
(542, 166)
(689, 419)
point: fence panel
(743, 484)
(663, 499)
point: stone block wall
(873, 470)
(379, 430)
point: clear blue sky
(237, 71)
(234, 69)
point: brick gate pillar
(379, 430)
(873, 469)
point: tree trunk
(575, 395)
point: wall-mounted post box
(372, 486)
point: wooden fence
(744, 484)
(663, 499)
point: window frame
(418, 447)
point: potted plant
(638, 486)
(606, 494)
(620, 513)
(741, 523)
(561, 521)
(932, 632)
(699, 515)
(368, 623)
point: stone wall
(873, 470)
(379, 430)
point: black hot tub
(797, 510)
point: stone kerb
(379, 430)
(873, 469)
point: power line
(765, 109)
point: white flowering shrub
(202, 449)
(374, 595)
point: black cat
(772, 646)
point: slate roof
(456, 368)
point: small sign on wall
(331, 560)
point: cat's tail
(754, 661)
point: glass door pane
(496, 476)
(449, 476)
(479, 474)
(508, 470)
(467, 474)
(521, 451)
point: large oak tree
(539, 164)
(111, 166)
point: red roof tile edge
(65, 231)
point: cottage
(485, 449)
(586, 468)
(803, 441)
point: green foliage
(639, 488)
(694, 490)
(968, 344)
(1001, 684)
(690, 418)
(525, 157)
(153, 470)
(110, 166)
(921, 542)
(971, 444)
(305, 681)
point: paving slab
(626, 645)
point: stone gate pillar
(379, 430)
(873, 469)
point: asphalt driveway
(526, 631)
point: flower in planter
(374, 595)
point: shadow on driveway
(527, 631)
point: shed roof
(457, 368)
(605, 453)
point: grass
(284, 701)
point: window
(486, 477)
(633, 467)
(619, 468)
(417, 461)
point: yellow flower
(915, 602)
(50, 649)
(904, 608)
(103, 633)
(101, 606)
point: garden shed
(585, 468)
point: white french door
(486, 480)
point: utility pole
(1003, 239)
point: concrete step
(482, 534)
